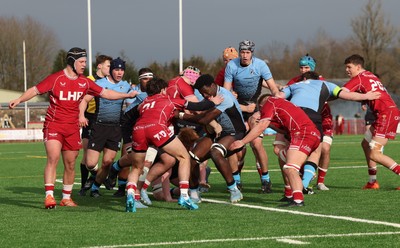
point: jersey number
(376, 84)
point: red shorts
(67, 134)
(385, 126)
(150, 134)
(305, 140)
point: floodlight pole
(89, 38)
(25, 85)
(180, 38)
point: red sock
(321, 175)
(395, 168)
(298, 196)
(137, 197)
(288, 191)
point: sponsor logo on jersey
(70, 95)
(82, 85)
(63, 84)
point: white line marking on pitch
(293, 242)
(397, 225)
(249, 239)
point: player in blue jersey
(311, 95)
(127, 121)
(246, 76)
(229, 116)
(106, 132)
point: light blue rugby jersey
(231, 119)
(109, 111)
(311, 94)
(247, 81)
(138, 99)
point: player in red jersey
(66, 90)
(306, 64)
(153, 128)
(228, 54)
(385, 112)
(284, 117)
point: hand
(234, 94)
(373, 95)
(133, 94)
(13, 103)
(217, 130)
(217, 99)
(251, 107)
(236, 145)
(83, 122)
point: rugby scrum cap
(117, 63)
(308, 61)
(246, 45)
(73, 54)
(230, 53)
(192, 73)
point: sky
(148, 30)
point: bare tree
(373, 32)
(41, 47)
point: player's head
(246, 49)
(192, 73)
(310, 75)
(156, 86)
(117, 69)
(229, 53)
(188, 137)
(262, 99)
(145, 75)
(307, 63)
(103, 65)
(354, 65)
(76, 58)
(206, 86)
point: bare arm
(26, 96)
(114, 95)
(254, 133)
(270, 83)
(83, 122)
(355, 96)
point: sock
(372, 174)
(116, 166)
(309, 173)
(232, 186)
(66, 191)
(49, 189)
(146, 184)
(184, 188)
(298, 196)
(208, 172)
(84, 174)
(395, 168)
(265, 176)
(95, 185)
(288, 191)
(258, 166)
(137, 197)
(236, 176)
(131, 188)
(321, 175)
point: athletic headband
(146, 75)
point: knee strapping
(291, 166)
(374, 145)
(144, 174)
(327, 139)
(219, 147)
(282, 155)
(195, 158)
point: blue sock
(308, 174)
(122, 182)
(231, 187)
(95, 187)
(236, 176)
(265, 177)
(116, 166)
